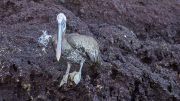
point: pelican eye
(63, 24)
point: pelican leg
(65, 77)
(76, 76)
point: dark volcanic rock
(139, 43)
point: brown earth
(140, 60)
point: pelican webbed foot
(66, 76)
(64, 80)
(76, 76)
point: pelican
(74, 48)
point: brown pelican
(74, 48)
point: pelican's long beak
(59, 42)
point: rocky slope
(139, 42)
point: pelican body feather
(76, 47)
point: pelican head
(61, 18)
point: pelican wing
(85, 45)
